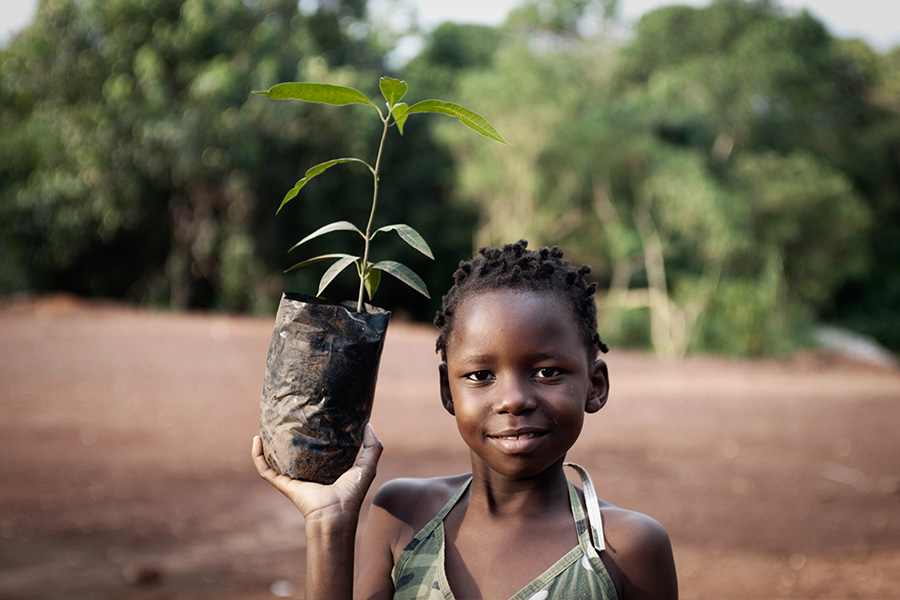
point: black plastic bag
(319, 386)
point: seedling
(397, 112)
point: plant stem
(360, 305)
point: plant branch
(360, 305)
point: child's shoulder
(402, 507)
(630, 527)
(640, 548)
(408, 497)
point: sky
(875, 21)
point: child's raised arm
(332, 514)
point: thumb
(363, 471)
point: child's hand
(339, 501)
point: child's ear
(599, 392)
(446, 396)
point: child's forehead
(527, 311)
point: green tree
(450, 50)
(868, 303)
(775, 102)
(700, 168)
(138, 164)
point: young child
(519, 345)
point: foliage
(449, 51)
(731, 171)
(775, 103)
(868, 303)
(393, 91)
(136, 157)
(699, 172)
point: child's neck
(498, 496)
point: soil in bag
(319, 386)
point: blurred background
(730, 170)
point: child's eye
(479, 376)
(546, 372)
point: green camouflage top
(580, 574)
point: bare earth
(125, 471)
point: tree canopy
(138, 164)
(709, 166)
(730, 171)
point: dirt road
(125, 472)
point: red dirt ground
(125, 470)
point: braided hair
(517, 268)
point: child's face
(519, 380)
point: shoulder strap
(452, 502)
(439, 518)
(593, 505)
(411, 549)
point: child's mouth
(523, 436)
(517, 442)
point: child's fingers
(259, 460)
(280, 482)
(369, 437)
(368, 458)
(361, 475)
(371, 449)
(306, 495)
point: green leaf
(336, 226)
(314, 171)
(373, 279)
(392, 90)
(470, 119)
(399, 113)
(410, 236)
(333, 271)
(323, 93)
(320, 258)
(404, 274)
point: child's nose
(516, 397)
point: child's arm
(332, 514)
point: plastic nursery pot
(319, 386)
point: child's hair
(516, 267)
